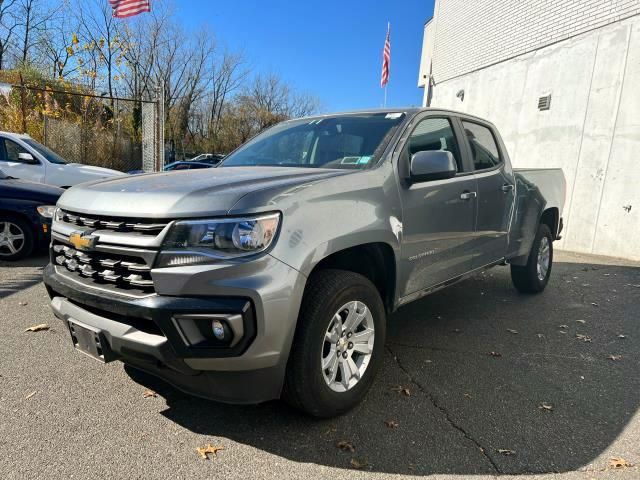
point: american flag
(129, 8)
(386, 58)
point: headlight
(46, 211)
(190, 242)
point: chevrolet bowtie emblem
(83, 240)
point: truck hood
(189, 193)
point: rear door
(438, 221)
(496, 188)
(11, 165)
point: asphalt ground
(478, 382)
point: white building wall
(474, 34)
(592, 130)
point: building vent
(544, 103)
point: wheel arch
(375, 260)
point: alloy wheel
(12, 238)
(347, 346)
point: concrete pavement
(499, 384)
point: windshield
(345, 141)
(50, 155)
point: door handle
(507, 187)
(468, 195)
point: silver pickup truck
(272, 275)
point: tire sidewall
(543, 231)
(337, 402)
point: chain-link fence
(104, 131)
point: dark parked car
(185, 166)
(26, 210)
(208, 158)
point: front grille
(116, 224)
(109, 270)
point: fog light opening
(219, 330)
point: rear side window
(434, 134)
(484, 148)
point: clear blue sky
(331, 49)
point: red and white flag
(129, 8)
(386, 58)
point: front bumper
(142, 332)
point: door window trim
(464, 120)
(456, 134)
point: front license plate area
(90, 341)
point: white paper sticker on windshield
(393, 116)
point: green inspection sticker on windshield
(364, 159)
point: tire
(528, 278)
(307, 384)
(21, 247)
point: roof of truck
(408, 110)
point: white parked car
(24, 158)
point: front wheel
(534, 276)
(338, 345)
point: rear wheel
(338, 345)
(16, 238)
(534, 276)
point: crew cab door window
(484, 149)
(434, 134)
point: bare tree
(35, 16)
(58, 45)
(8, 25)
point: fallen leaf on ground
(547, 407)
(149, 394)
(615, 358)
(37, 328)
(618, 462)
(358, 463)
(23, 304)
(400, 389)
(506, 452)
(495, 354)
(622, 336)
(204, 451)
(468, 395)
(583, 337)
(391, 423)
(540, 335)
(510, 330)
(581, 321)
(346, 446)
(331, 429)
(595, 304)
(563, 326)
(30, 395)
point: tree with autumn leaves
(211, 102)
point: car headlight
(46, 211)
(191, 242)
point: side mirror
(27, 158)
(432, 165)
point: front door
(438, 216)
(495, 194)
(13, 166)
